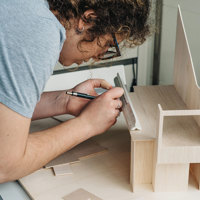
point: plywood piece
(142, 157)
(145, 100)
(67, 157)
(62, 170)
(81, 194)
(88, 149)
(178, 137)
(184, 75)
(84, 150)
(171, 178)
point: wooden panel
(143, 162)
(145, 100)
(171, 178)
(86, 149)
(178, 137)
(184, 75)
(67, 157)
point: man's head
(92, 26)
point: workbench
(106, 175)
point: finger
(117, 104)
(117, 113)
(101, 83)
(115, 93)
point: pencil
(82, 95)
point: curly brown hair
(128, 18)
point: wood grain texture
(175, 128)
(84, 150)
(171, 177)
(145, 100)
(81, 194)
(65, 158)
(184, 75)
(143, 157)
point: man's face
(75, 52)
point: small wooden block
(81, 194)
(62, 170)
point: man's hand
(75, 104)
(101, 113)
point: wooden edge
(160, 120)
(132, 166)
(93, 155)
(180, 112)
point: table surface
(106, 175)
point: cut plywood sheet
(86, 149)
(185, 80)
(143, 157)
(62, 170)
(67, 157)
(81, 194)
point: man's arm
(22, 153)
(51, 104)
(57, 102)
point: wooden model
(168, 146)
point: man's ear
(88, 14)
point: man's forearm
(46, 145)
(51, 104)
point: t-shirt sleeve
(29, 49)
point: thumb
(101, 83)
(115, 92)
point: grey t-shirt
(31, 39)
